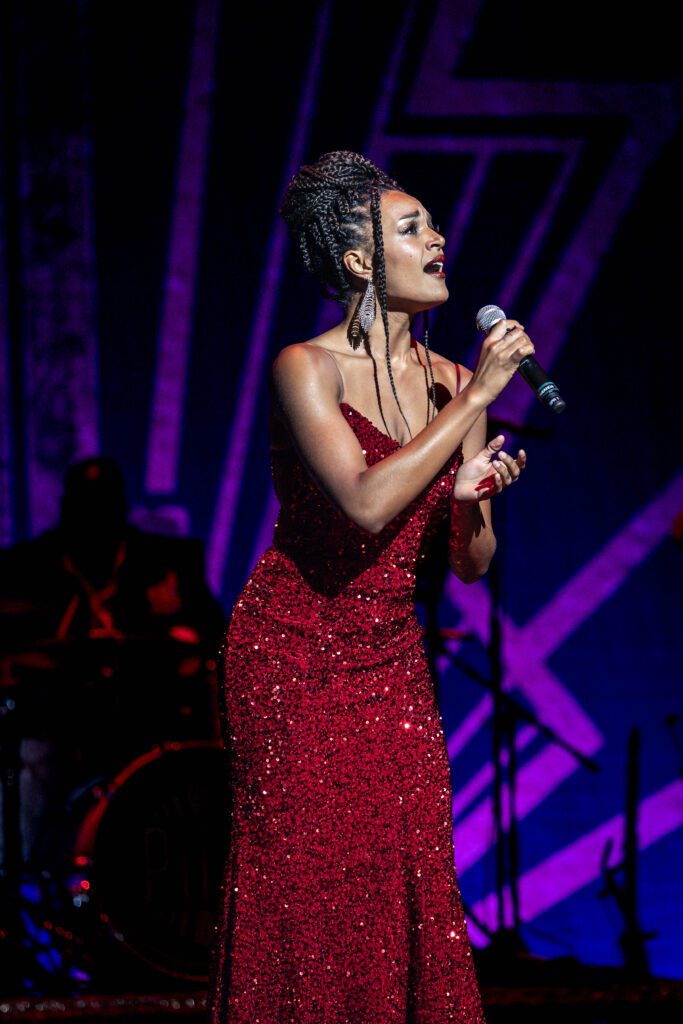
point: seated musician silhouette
(96, 572)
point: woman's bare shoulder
(313, 350)
(312, 353)
(306, 366)
(298, 350)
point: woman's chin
(440, 294)
(436, 301)
(414, 305)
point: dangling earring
(364, 315)
(367, 310)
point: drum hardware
(139, 862)
(56, 920)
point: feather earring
(367, 310)
(364, 315)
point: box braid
(326, 211)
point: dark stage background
(146, 284)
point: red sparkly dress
(340, 903)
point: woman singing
(340, 902)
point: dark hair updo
(332, 206)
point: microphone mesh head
(488, 316)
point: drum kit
(119, 883)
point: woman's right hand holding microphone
(504, 348)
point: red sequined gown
(340, 903)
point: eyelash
(412, 229)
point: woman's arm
(471, 541)
(486, 470)
(306, 390)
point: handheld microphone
(535, 376)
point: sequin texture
(340, 902)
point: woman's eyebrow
(414, 216)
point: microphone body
(534, 374)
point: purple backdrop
(146, 283)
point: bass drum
(144, 868)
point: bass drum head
(149, 852)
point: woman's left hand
(488, 472)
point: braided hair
(332, 206)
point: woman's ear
(358, 263)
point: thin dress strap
(338, 371)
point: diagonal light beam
(578, 864)
(237, 448)
(170, 380)
(527, 648)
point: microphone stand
(506, 940)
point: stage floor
(659, 1002)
